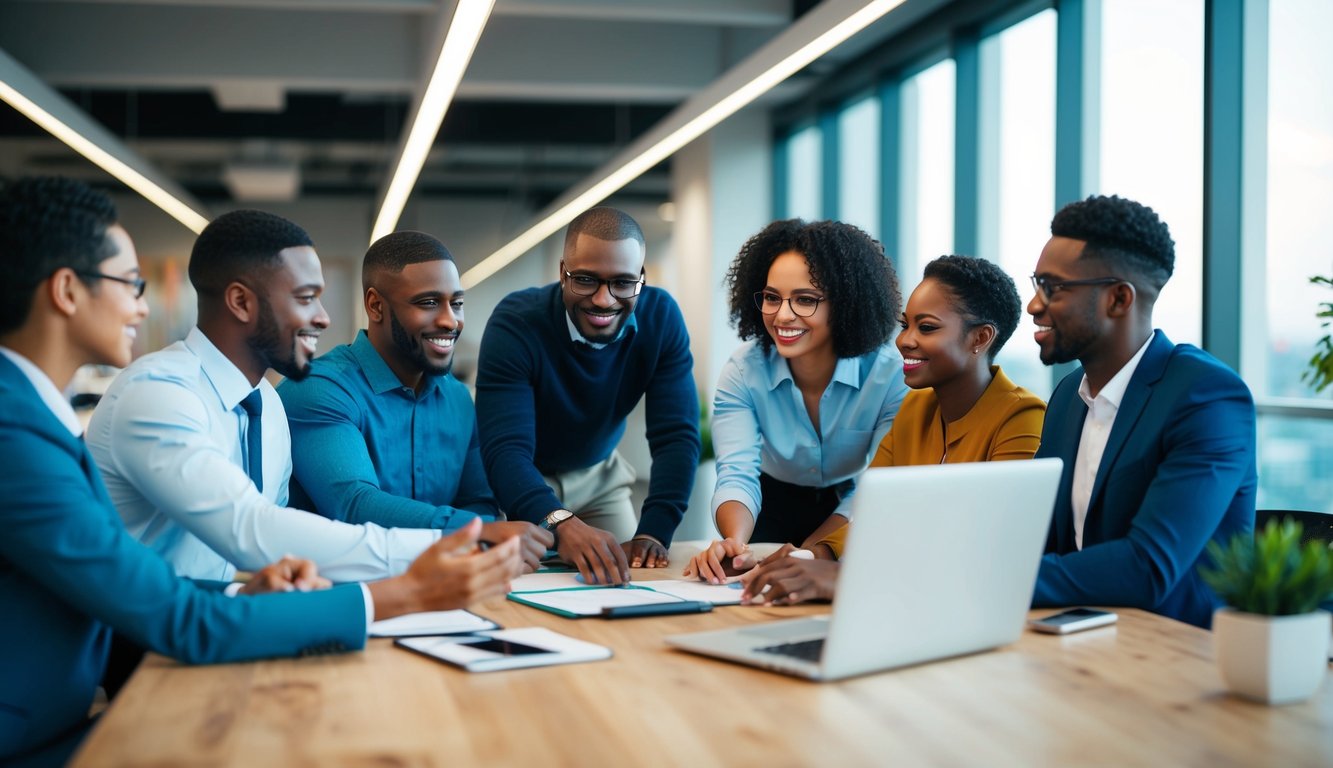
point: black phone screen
(503, 647)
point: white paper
(590, 602)
(431, 623)
(701, 591)
(536, 582)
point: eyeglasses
(620, 288)
(802, 306)
(138, 283)
(1048, 288)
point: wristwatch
(556, 518)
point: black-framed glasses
(1048, 287)
(620, 287)
(801, 305)
(138, 283)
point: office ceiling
(237, 98)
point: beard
(267, 345)
(1067, 345)
(411, 348)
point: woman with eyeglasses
(802, 404)
(962, 408)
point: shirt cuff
(233, 589)
(370, 606)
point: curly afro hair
(1122, 232)
(48, 224)
(985, 294)
(845, 263)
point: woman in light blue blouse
(801, 406)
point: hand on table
(533, 540)
(721, 560)
(452, 573)
(596, 553)
(790, 580)
(290, 574)
(645, 552)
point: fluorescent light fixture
(103, 159)
(639, 158)
(459, 42)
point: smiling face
(107, 330)
(1070, 325)
(600, 317)
(291, 316)
(422, 310)
(792, 334)
(936, 340)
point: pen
(656, 609)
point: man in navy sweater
(561, 366)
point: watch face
(556, 518)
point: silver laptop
(941, 561)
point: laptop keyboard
(806, 650)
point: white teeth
(1041, 328)
(912, 361)
(131, 331)
(443, 342)
(790, 333)
(310, 343)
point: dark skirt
(790, 513)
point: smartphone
(1072, 620)
(495, 645)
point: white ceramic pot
(1273, 659)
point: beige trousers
(600, 495)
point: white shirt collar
(228, 382)
(1114, 391)
(54, 399)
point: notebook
(941, 561)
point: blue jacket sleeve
(1206, 455)
(332, 463)
(62, 533)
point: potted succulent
(1272, 642)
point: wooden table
(1144, 692)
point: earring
(976, 351)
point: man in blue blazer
(1157, 438)
(69, 572)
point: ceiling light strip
(459, 42)
(698, 115)
(92, 141)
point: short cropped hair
(603, 223)
(48, 224)
(984, 293)
(397, 250)
(241, 244)
(1121, 232)
(847, 264)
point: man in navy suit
(1157, 438)
(69, 572)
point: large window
(858, 165)
(804, 182)
(1296, 454)
(1152, 135)
(1300, 188)
(926, 223)
(1019, 102)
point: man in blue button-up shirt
(381, 432)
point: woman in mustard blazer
(962, 408)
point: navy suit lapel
(1137, 394)
(1060, 437)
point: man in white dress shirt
(179, 452)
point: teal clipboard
(524, 599)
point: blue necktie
(254, 440)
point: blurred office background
(944, 126)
